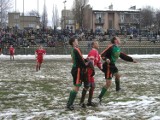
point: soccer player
(11, 52)
(94, 57)
(110, 56)
(39, 53)
(78, 72)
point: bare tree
(147, 17)
(87, 20)
(55, 17)
(78, 11)
(5, 6)
(33, 13)
(44, 17)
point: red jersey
(93, 56)
(11, 50)
(40, 53)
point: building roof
(109, 10)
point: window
(16, 17)
(16, 25)
(110, 24)
(98, 15)
(122, 18)
(71, 21)
(31, 25)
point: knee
(108, 83)
(76, 89)
(117, 77)
(86, 88)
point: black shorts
(79, 75)
(109, 70)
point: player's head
(115, 40)
(95, 44)
(73, 42)
(40, 46)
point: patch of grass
(46, 103)
(62, 113)
(47, 87)
(4, 93)
(14, 117)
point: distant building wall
(15, 19)
(112, 19)
(67, 20)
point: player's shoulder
(76, 49)
(110, 45)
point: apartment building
(115, 19)
(15, 19)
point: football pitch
(29, 95)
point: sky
(96, 4)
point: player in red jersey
(94, 57)
(11, 52)
(39, 53)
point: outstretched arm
(126, 57)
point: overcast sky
(96, 4)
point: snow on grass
(128, 108)
(155, 118)
(94, 118)
(31, 57)
(26, 94)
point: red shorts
(12, 53)
(90, 77)
(40, 60)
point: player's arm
(99, 65)
(35, 54)
(106, 53)
(44, 52)
(79, 58)
(98, 61)
(126, 57)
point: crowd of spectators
(47, 38)
(51, 37)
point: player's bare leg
(37, 67)
(104, 89)
(117, 81)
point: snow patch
(94, 118)
(155, 118)
(31, 57)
